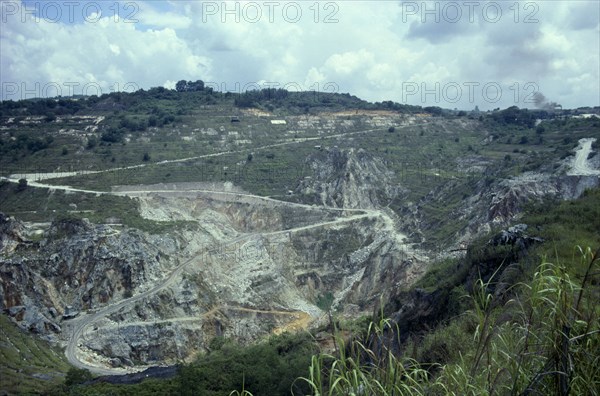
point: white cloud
(153, 18)
(350, 62)
(106, 54)
(372, 50)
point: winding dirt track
(34, 177)
(581, 166)
(300, 319)
(79, 325)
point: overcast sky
(448, 53)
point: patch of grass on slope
(565, 225)
(44, 205)
(29, 365)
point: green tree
(77, 376)
(180, 86)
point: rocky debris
(33, 319)
(493, 202)
(11, 234)
(69, 227)
(16, 310)
(136, 378)
(37, 321)
(70, 312)
(515, 235)
(510, 195)
(513, 193)
(251, 266)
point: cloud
(108, 54)
(156, 19)
(372, 49)
(583, 15)
(350, 62)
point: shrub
(22, 185)
(77, 376)
(524, 140)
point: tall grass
(367, 367)
(543, 341)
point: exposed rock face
(515, 235)
(349, 179)
(11, 233)
(248, 267)
(78, 265)
(497, 203)
(418, 310)
(511, 194)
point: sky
(452, 54)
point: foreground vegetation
(543, 341)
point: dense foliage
(269, 368)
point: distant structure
(586, 116)
(278, 122)
(235, 119)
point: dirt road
(299, 320)
(581, 166)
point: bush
(92, 142)
(77, 376)
(22, 185)
(113, 135)
(543, 341)
(269, 368)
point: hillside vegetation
(164, 136)
(28, 364)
